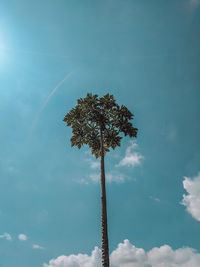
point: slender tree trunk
(104, 230)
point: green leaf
(92, 114)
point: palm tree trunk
(104, 231)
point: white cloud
(35, 246)
(192, 199)
(132, 158)
(155, 198)
(166, 256)
(116, 177)
(95, 177)
(94, 164)
(80, 260)
(82, 181)
(22, 237)
(111, 177)
(127, 255)
(6, 236)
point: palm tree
(98, 122)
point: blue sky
(147, 54)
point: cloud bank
(80, 260)
(192, 199)
(127, 255)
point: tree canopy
(94, 115)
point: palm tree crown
(92, 114)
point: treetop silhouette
(92, 115)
